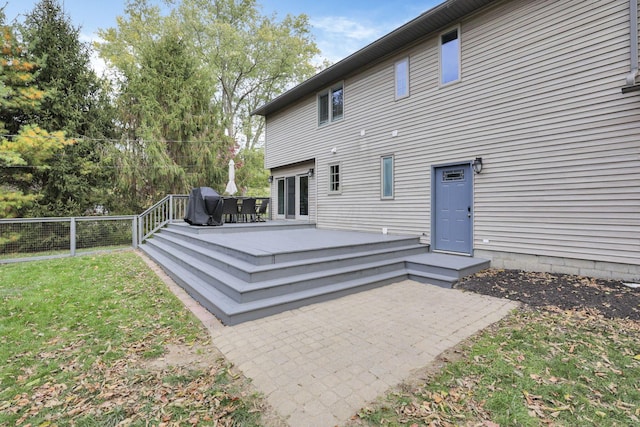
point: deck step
(244, 291)
(225, 277)
(252, 273)
(231, 312)
(253, 253)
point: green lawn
(535, 368)
(77, 336)
(79, 339)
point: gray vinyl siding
(539, 100)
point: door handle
(468, 211)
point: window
(304, 196)
(334, 178)
(386, 174)
(453, 175)
(331, 104)
(450, 57)
(402, 78)
(280, 196)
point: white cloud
(342, 26)
(337, 36)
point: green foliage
(76, 338)
(535, 368)
(189, 78)
(25, 149)
(250, 172)
(19, 94)
(253, 57)
(172, 138)
(77, 102)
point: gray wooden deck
(242, 272)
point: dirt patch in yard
(179, 355)
(609, 298)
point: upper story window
(402, 78)
(331, 104)
(450, 56)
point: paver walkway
(319, 364)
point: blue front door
(453, 213)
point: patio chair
(230, 209)
(248, 209)
(262, 210)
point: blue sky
(340, 27)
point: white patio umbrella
(231, 185)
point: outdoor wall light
(270, 179)
(310, 172)
(477, 165)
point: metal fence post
(72, 237)
(134, 232)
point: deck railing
(41, 238)
(167, 210)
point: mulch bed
(610, 298)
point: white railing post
(170, 208)
(134, 232)
(72, 237)
(140, 228)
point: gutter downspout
(633, 33)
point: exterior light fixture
(270, 179)
(310, 172)
(477, 165)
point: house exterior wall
(539, 100)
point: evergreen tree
(78, 104)
(25, 149)
(172, 138)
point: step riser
(294, 256)
(314, 267)
(212, 247)
(230, 228)
(207, 258)
(445, 271)
(329, 279)
(344, 250)
(430, 281)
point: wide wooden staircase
(241, 273)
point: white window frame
(328, 92)
(398, 75)
(459, 56)
(331, 181)
(382, 177)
